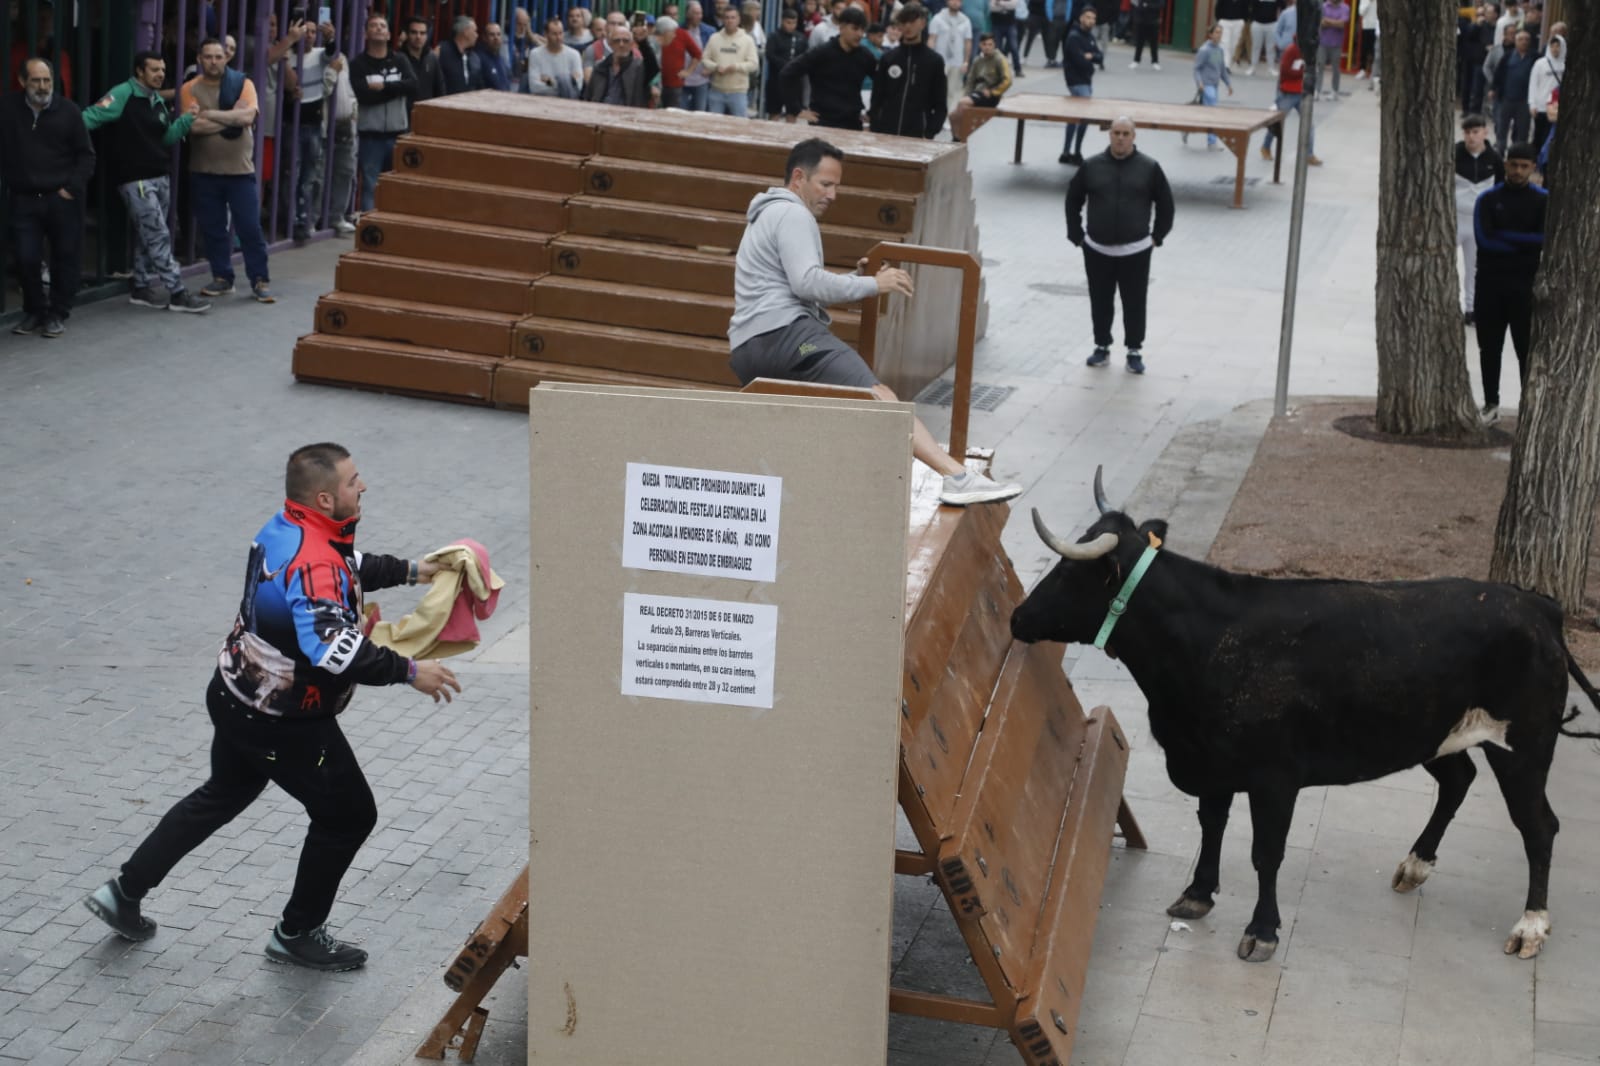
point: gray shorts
(804, 350)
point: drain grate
(984, 397)
(1228, 179)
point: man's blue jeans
(216, 196)
(1076, 131)
(695, 96)
(735, 104)
(375, 153)
(1290, 102)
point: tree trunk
(1541, 540)
(1423, 387)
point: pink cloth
(468, 610)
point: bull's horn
(1096, 548)
(1100, 500)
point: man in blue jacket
(294, 657)
(1508, 223)
(1080, 54)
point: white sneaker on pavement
(971, 487)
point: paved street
(143, 450)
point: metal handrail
(966, 335)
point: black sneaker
(53, 327)
(316, 950)
(184, 300)
(1064, 158)
(1101, 357)
(1135, 361)
(147, 298)
(29, 325)
(119, 912)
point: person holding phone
(384, 84)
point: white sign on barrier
(709, 522)
(706, 651)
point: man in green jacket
(137, 148)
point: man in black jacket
(1080, 54)
(460, 65)
(46, 161)
(424, 61)
(837, 69)
(1120, 185)
(1509, 226)
(384, 85)
(908, 88)
(784, 45)
(622, 77)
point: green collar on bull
(1120, 604)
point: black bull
(1267, 686)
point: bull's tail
(1589, 690)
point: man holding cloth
(1120, 186)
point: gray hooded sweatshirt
(779, 275)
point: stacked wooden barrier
(522, 239)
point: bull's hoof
(1190, 908)
(1253, 948)
(1410, 873)
(1529, 934)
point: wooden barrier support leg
(1277, 157)
(1021, 125)
(462, 1025)
(1132, 835)
(1240, 148)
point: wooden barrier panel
(459, 329)
(454, 242)
(429, 281)
(504, 120)
(450, 160)
(404, 368)
(633, 351)
(514, 377)
(461, 201)
(635, 179)
(649, 307)
(640, 263)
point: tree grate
(984, 397)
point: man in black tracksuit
(1121, 185)
(784, 45)
(836, 69)
(908, 88)
(1509, 225)
(1080, 54)
(46, 160)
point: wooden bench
(467, 201)
(692, 360)
(407, 369)
(652, 307)
(461, 243)
(430, 281)
(448, 160)
(1234, 126)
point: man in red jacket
(1291, 97)
(679, 48)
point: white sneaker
(1250, 72)
(1155, 66)
(344, 228)
(970, 487)
(1134, 65)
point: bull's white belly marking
(1475, 727)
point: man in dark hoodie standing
(1509, 225)
(385, 85)
(1121, 186)
(139, 139)
(46, 160)
(837, 69)
(781, 289)
(908, 88)
(784, 45)
(424, 61)
(1080, 54)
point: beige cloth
(416, 636)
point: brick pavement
(144, 449)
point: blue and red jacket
(297, 649)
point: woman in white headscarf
(1543, 83)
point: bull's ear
(1155, 526)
